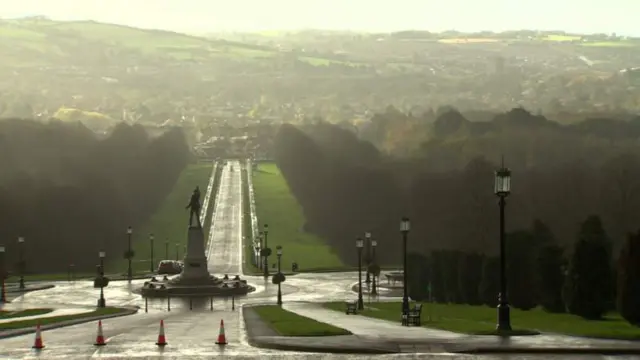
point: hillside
(153, 76)
(24, 41)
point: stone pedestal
(195, 270)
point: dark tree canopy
(71, 194)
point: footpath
(376, 336)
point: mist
(198, 16)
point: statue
(194, 207)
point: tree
(490, 284)
(469, 276)
(520, 270)
(418, 276)
(549, 268)
(628, 274)
(438, 290)
(587, 291)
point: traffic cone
(38, 343)
(162, 341)
(222, 340)
(100, 337)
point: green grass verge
(56, 319)
(17, 314)
(169, 223)
(481, 320)
(276, 206)
(49, 277)
(287, 323)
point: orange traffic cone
(100, 337)
(162, 341)
(222, 340)
(38, 343)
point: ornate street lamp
(151, 265)
(404, 229)
(3, 275)
(374, 243)
(22, 263)
(367, 236)
(359, 246)
(266, 250)
(502, 190)
(129, 253)
(279, 254)
(101, 301)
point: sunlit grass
(286, 323)
(276, 206)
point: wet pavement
(192, 327)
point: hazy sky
(366, 15)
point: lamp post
(367, 236)
(279, 253)
(374, 290)
(3, 293)
(166, 249)
(22, 261)
(502, 190)
(404, 229)
(256, 255)
(359, 245)
(266, 254)
(151, 246)
(129, 272)
(260, 247)
(101, 301)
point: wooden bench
(413, 317)
(352, 307)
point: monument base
(195, 280)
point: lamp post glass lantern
(279, 254)
(359, 246)
(129, 271)
(404, 229)
(503, 182)
(22, 261)
(101, 301)
(502, 189)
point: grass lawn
(49, 277)
(481, 320)
(276, 206)
(16, 314)
(56, 319)
(621, 43)
(168, 224)
(468, 40)
(562, 38)
(287, 323)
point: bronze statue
(194, 207)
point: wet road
(192, 328)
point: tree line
(586, 279)
(71, 194)
(346, 186)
